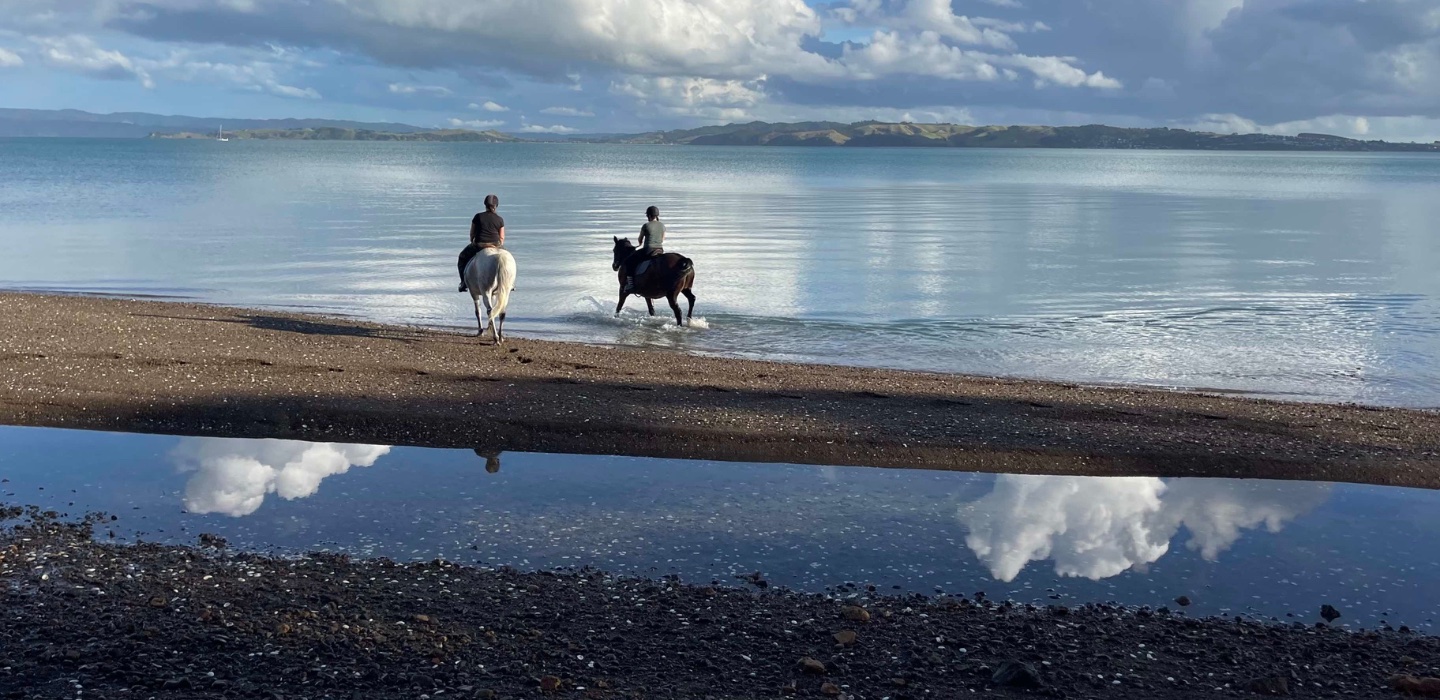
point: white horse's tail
(504, 282)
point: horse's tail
(504, 282)
(686, 264)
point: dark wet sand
(152, 621)
(148, 366)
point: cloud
(1412, 128)
(892, 54)
(489, 107)
(567, 112)
(538, 129)
(929, 16)
(81, 54)
(1269, 62)
(743, 40)
(233, 476)
(409, 89)
(478, 124)
(9, 59)
(1100, 527)
(258, 76)
(724, 100)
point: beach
(193, 369)
(86, 619)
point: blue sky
(1368, 68)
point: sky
(1359, 68)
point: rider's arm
(474, 230)
(502, 235)
(644, 237)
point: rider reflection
(492, 459)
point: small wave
(593, 311)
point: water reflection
(492, 459)
(232, 476)
(1096, 528)
(1089, 527)
(1258, 548)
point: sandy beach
(191, 369)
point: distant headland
(905, 134)
(882, 134)
(75, 123)
(330, 133)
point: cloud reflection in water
(232, 476)
(1096, 528)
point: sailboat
(221, 135)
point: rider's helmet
(492, 202)
(652, 212)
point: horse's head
(623, 249)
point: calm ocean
(1306, 276)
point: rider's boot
(629, 284)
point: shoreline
(174, 621)
(193, 369)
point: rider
(652, 242)
(487, 230)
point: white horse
(490, 275)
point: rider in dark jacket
(652, 243)
(487, 230)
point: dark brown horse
(669, 276)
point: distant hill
(328, 133)
(861, 134)
(75, 123)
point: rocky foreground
(191, 369)
(83, 619)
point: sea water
(1310, 276)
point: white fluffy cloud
(233, 476)
(555, 129)
(481, 124)
(10, 59)
(730, 40)
(1271, 62)
(489, 106)
(933, 16)
(411, 89)
(1100, 527)
(694, 97)
(81, 54)
(567, 112)
(257, 76)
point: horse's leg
(485, 299)
(479, 321)
(689, 296)
(623, 296)
(490, 302)
(650, 304)
(500, 327)
(674, 307)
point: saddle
(644, 265)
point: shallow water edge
(145, 366)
